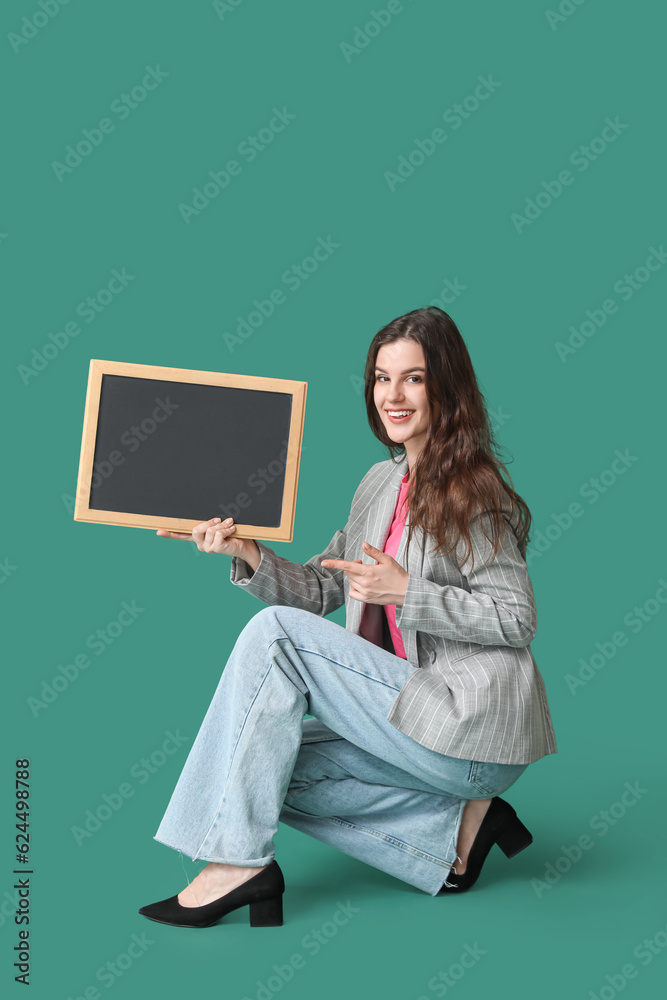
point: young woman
(426, 706)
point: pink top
(391, 548)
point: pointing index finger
(341, 564)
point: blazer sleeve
(279, 581)
(498, 610)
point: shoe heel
(514, 838)
(267, 913)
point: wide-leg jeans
(347, 776)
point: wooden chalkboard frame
(98, 368)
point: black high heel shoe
(500, 826)
(262, 893)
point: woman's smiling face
(400, 385)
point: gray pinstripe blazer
(478, 693)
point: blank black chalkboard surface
(172, 447)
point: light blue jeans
(347, 776)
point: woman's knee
(280, 616)
(270, 623)
(260, 620)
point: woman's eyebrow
(401, 373)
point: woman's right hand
(214, 536)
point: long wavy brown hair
(458, 472)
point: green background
(560, 422)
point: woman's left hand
(384, 583)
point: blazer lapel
(382, 509)
(414, 565)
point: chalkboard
(171, 447)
